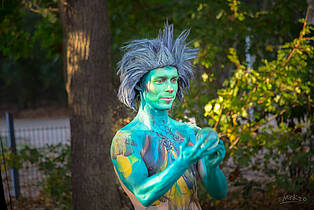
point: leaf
(220, 14)
(208, 107)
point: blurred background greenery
(253, 80)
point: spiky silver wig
(144, 55)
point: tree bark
(89, 88)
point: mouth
(167, 98)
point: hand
(209, 138)
(214, 159)
(214, 144)
(206, 144)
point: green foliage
(219, 25)
(25, 26)
(30, 54)
(31, 33)
(55, 163)
(262, 112)
(270, 109)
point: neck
(152, 118)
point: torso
(158, 149)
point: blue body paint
(156, 158)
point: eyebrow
(160, 77)
(164, 77)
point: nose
(169, 89)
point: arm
(133, 173)
(213, 178)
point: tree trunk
(89, 88)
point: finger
(210, 145)
(205, 134)
(221, 153)
(202, 152)
(200, 141)
(221, 146)
(213, 159)
(208, 152)
(186, 141)
(217, 159)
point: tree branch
(299, 40)
(216, 124)
(268, 120)
(234, 143)
(36, 8)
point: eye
(159, 81)
(173, 80)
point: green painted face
(161, 86)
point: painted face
(161, 86)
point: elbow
(145, 203)
(144, 198)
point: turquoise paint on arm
(152, 188)
(153, 128)
(149, 189)
(215, 182)
(213, 178)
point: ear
(141, 93)
(138, 88)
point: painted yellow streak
(124, 165)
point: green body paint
(156, 158)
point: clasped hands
(208, 146)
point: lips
(167, 98)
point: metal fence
(28, 176)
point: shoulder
(133, 130)
(125, 137)
(128, 139)
(125, 142)
(122, 134)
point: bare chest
(160, 149)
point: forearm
(153, 187)
(214, 181)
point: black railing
(24, 182)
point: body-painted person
(155, 157)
